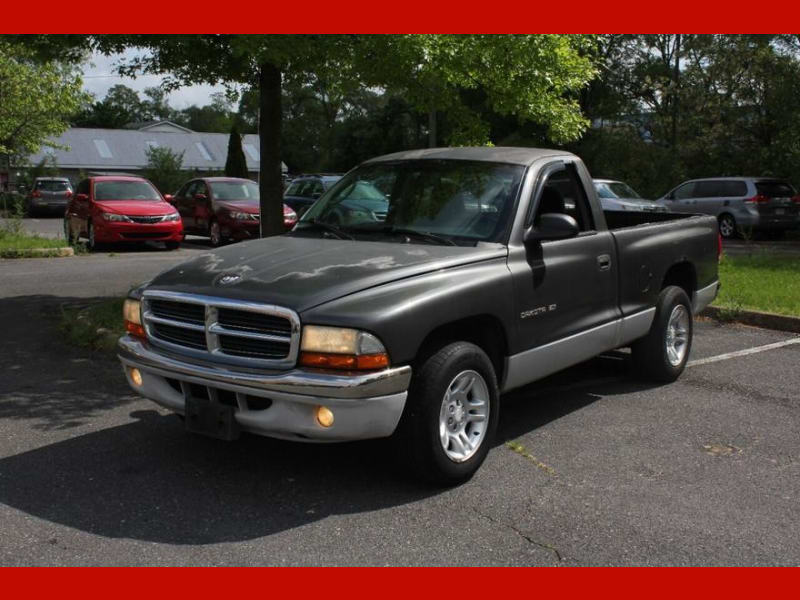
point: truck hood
(301, 272)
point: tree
(37, 100)
(120, 107)
(164, 169)
(533, 77)
(236, 163)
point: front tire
(215, 234)
(92, 245)
(663, 353)
(172, 245)
(451, 415)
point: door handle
(604, 262)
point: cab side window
(563, 193)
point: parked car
(223, 209)
(493, 268)
(121, 209)
(740, 203)
(49, 194)
(617, 195)
(303, 191)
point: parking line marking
(745, 352)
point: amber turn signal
(135, 329)
(351, 362)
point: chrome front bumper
(365, 405)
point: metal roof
(500, 154)
(90, 148)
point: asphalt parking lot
(591, 466)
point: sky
(99, 75)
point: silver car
(49, 194)
(740, 203)
(617, 195)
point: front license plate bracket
(211, 419)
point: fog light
(324, 416)
(136, 378)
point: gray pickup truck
(410, 296)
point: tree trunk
(432, 133)
(271, 180)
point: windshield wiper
(423, 235)
(339, 233)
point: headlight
(114, 217)
(341, 348)
(132, 317)
(172, 217)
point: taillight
(69, 193)
(796, 199)
(36, 194)
(759, 199)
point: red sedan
(121, 209)
(223, 208)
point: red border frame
(372, 16)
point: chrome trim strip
(182, 324)
(634, 326)
(134, 352)
(213, 329)
(218, 329)
(705, 296)
(536, 363)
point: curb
(754, 318)
(36, 252)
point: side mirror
(200, 197)
(81, 197)
(552, 226)
(169, 198)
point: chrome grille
(231, 331)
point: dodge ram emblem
(229, 278)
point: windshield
(53, 185)
(125, 190)
(457, 200)
(234, 190)
(615, 189)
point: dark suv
(304, 191)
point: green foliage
(164, 169)
(97, 326)
(236, 163)
(37, 100)
(760, 281)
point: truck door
(566, 290)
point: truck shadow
(148, 480)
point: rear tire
(727, 226)
(663, 353)
(450, 417)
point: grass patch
(21, 241)
(97, 326)
(763, 282)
